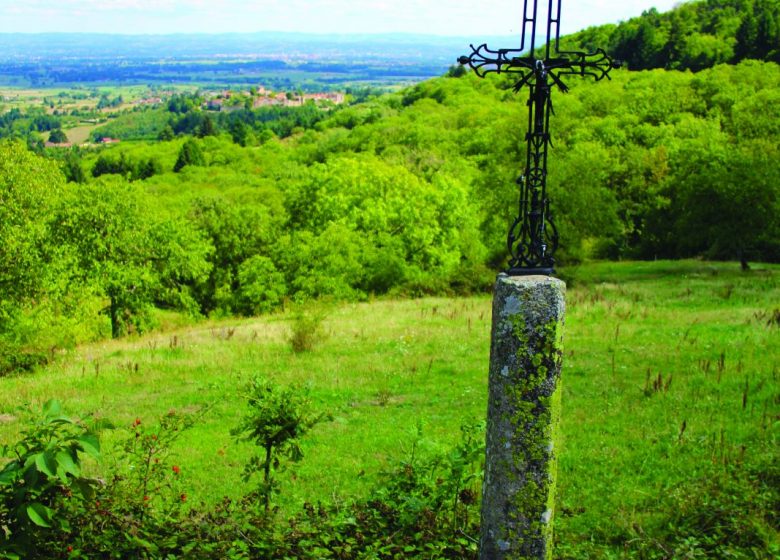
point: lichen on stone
(523, 412)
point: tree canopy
(694, 35)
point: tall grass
(670, 410)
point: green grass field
(78, 135)
(670, 410)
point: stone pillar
(524, 401)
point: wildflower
(183, 497)
(176, 469)
(70, 548)
(146, 498)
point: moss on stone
(527, 352)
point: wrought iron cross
(533, 238)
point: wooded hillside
(407, 193)
(695, 35)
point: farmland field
(80, 134)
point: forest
(693, 36)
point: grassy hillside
(670, 402)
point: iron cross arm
(484, 61)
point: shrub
(190, 154)
(140, 511)
(425, 508)
(306, 330)
(15, 358)
(277, 419)
(42, 479)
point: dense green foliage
(695, 35)
(29, 187)
(57, 136)
(407, 193)
(41, 477)
(137, 125)
(184, 116)
(26, 125)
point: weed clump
(306, 331)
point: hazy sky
(440, 17)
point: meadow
(669, 445)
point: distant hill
(28, 46)
(279, 60)
(693, 36)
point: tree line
(693, 36)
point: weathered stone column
(524, 402)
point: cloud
(454, 17)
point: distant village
(231, 101)
(105, 141)
(228, 100)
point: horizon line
(259, 32)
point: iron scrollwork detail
(533, 238)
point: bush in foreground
(427, 507)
